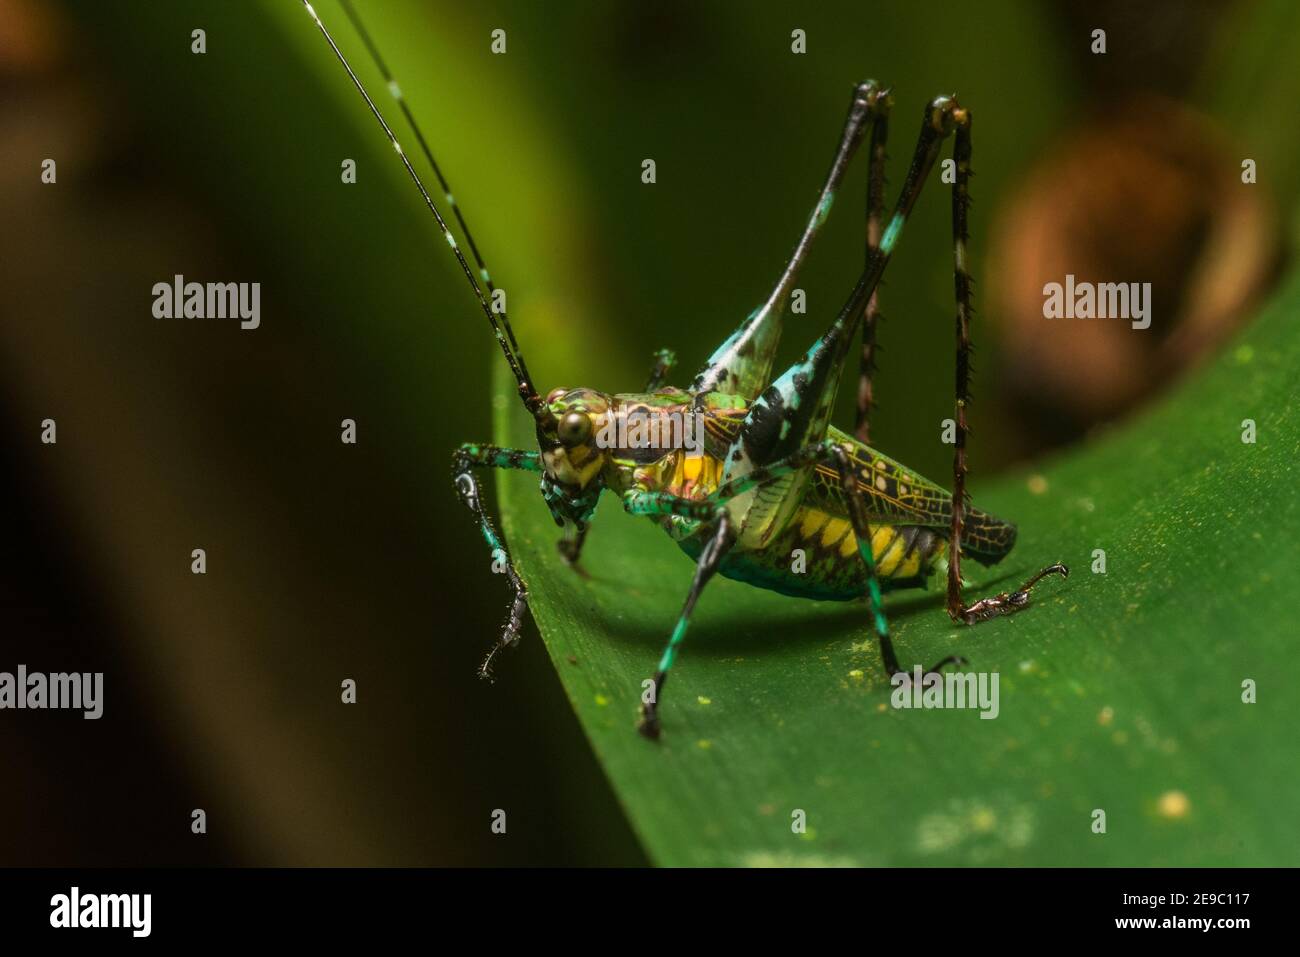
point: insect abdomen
(816, 556)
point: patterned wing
(898, 495)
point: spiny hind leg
(871, 317)
(721, 539)
(795, 409)
(1003, 603)
(942, 116)
(742, 365)
(464, 460)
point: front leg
(721, 539)
(464, 460)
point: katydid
(768, 474)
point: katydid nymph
(767, 473)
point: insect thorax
(669, 441)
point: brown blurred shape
(1148, 192)
(29, 37)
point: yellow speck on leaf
(703, 700)
(704, 744)
(1106, 716)
(856, 673)
(1037, 484)
(601, 700)
(1173, 805)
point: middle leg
(857, 509)
(835, 456)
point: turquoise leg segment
(464, 461)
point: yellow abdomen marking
(837, 531)
(888, 547)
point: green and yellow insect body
(743, 469)
(810, 551)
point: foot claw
(649, 724)
(1005, 604)
(509, 640)
(937, 668)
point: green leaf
(1119, 691)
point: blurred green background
(328, 562)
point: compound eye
(574, 429)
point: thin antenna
(396, 90)
(504, 334)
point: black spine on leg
(962, 291)
(875, 225)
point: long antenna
(501, 330)
(395, 89)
